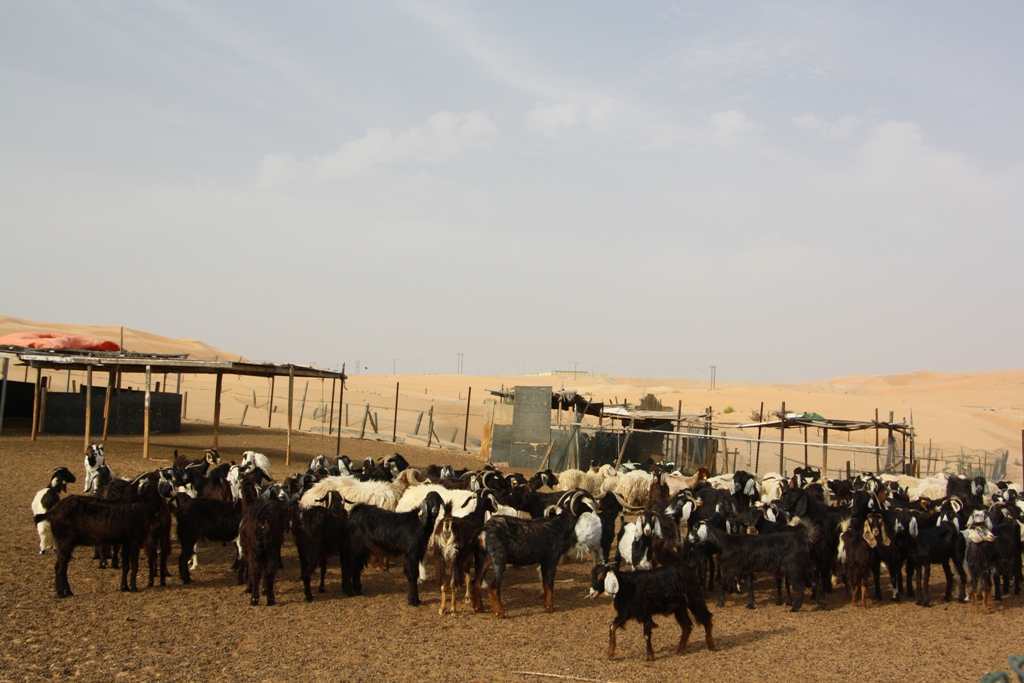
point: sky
(787, 191)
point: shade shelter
(122, 362)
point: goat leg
(750, 591)
(648, 629)
(444, 597)
(687, 627)
(611, 638)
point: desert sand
(976, 410)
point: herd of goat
(680, 536)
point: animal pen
(121, 364)
(596, 434)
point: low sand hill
(982, 410)
(134, 340)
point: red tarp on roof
(56, 340)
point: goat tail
(810, 529)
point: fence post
(782, 442)
(465, 433)
(341, 402)
(430, 424)
(330, 424)
(757, 455)
(394, 428)
(824, 453)
(302, 406)
(878, 453)
(245, 409)
(366, 416)
(270, 406)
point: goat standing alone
(672, 589)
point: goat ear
(611, 583)
(657, 527)
(885, 535)
(913, 527)
(869, 537)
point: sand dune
(978, 410)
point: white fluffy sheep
(633, 489)
(933, 488)
(383, 494)
(577, 479)
(414, 495)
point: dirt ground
(208, 630)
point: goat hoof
(254, 602)
(750, 606)
(271, 602)
(308, 598)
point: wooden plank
(394, 426)
(341, 402)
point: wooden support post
(849, 473)
(929, 448)
(106, 405)
(366, 416)
(330, 423)
(216, 408)
(419, 421)
(430, 424)
(782, 442)
(37, 390)
(42, 405)
(725, 447)
(824, 453)
(270, 405)
(291, 396)
(757, 455)
(3, 391)
(184, 406)
(394, 426)
(177, 388)
(465, 432)
(145, 417)
(245, 409)
(88, 406)
(341, 402)
(622, 451)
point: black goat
(982, 558)
(785, 555)
(203, 518)
(261, 533)
(640, 595)
(519, 542)
(319, 532)
(378, 532)
(941, 544)
(799, 503)
(88, 520)
(860, 541)
(453, 545)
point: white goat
(383, 494)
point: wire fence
(458, 421)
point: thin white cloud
(840, 130)
(732, 124)
(551, 119)
(444, 136)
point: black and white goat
(672, 589)
(519, 542)
(261, 533)
(93, 461)
(45, 499)
(378, 532)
